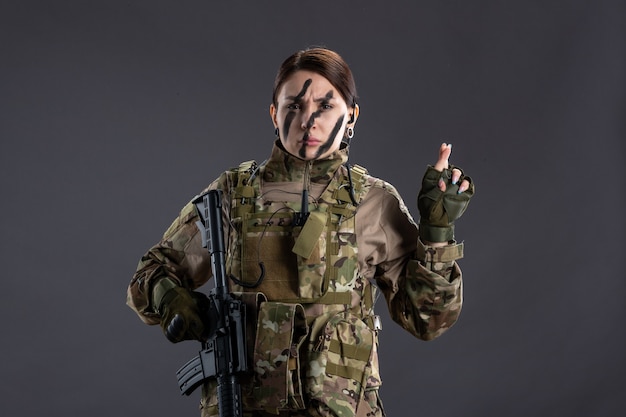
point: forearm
(439, 257)
(429, 298)
(178, 256)
(152, 267)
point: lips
(310, 141)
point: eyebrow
(302, 92)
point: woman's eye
(326, 106)
(293, 106)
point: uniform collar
(284, 167)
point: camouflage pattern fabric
(340, 375)
(340, 363)
(294, 257)
(280, 333)
(315, 344)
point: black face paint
(310, 122)
(296, 100)
(316, 114)
(331, 139)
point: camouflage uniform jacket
(319, 278)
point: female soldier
(324, 233)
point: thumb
(444, 153)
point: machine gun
(223, 355)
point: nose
(304, 121)
(307, 120)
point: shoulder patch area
(187, 213)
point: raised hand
(442, 199)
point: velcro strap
(346, 210)
(446, 253)
(348, 351)
(335, 298)
(245, 191)
(344, 371)
(162, 286)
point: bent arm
(178, 256)
(422, 284)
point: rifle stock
(223, 355)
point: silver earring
(349, 132)
(277, 133)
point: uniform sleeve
(422, 285)
(433, 291)
(179, 255)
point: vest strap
(244, 193)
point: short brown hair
(325, 62)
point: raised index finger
(444, 154)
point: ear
(353, 115)
(273, 114)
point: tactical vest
(311, 264)
(315, 333)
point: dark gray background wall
(113, 114)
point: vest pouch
(309, 236)
(265, 238)
(281, 330)
(310, 243)
(340, 362)
(270, 238)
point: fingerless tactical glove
(438, 210)
(181, 311)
